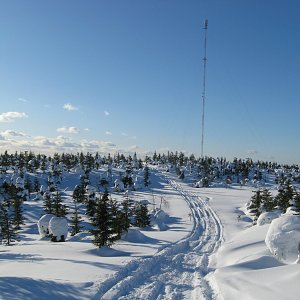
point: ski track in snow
(180, 270)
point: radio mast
(204, 85)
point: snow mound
(81, 237)
(267, 218)
(158, 220)
(283, 238)
(291, 211)
(58, 227)
(43, 224)
(134, 236)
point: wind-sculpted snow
(178, 271)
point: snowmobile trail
(180, 270)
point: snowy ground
(211, 254)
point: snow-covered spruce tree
(126, 213)
(285, 195)
(75, 218)
(90, 203)
(36, 185)
(15, 203)
(142, 217)
(48, 202)
(79, 193)
(146, 176)
(28, 185)
(116, 219)
(127, 180)
(103, 234)
(7, 228)
(18, 218)
(267, 200)
(297, 202)
(181, 175)
(255, 204)
(59, 209)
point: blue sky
(126, 75)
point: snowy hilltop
(163, 227)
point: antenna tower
(204, 85)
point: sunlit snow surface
(194, 258)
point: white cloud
(86, 129)
(70, 107)
(23, 100)
(59, 144)
(68, 129)
(11, 115)
(108, 133)
(106, 113)
(12, 133)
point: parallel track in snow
(178, 271)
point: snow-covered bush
(58, 228)
(283, 238)
(43, 224)
(119, 186)
(266, 218)
(158, 219)
(137, 185)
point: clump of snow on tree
(43, 224)
(267, 218)
(158, 219)
(291, 211)
(283, 238)
(58, 228)
(119, 186)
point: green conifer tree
(102, 222)
(267, 200)
(142, 217)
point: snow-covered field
(208, 250)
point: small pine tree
(146, 176)
(17, 212)
(142, 217)
(255, 204)
(181, 175)
(36, 185)
(79, 193)
(75, 219)
(7, 228)
(28, 185)
(126, 213)
(285, 195)
(297, 202)
(116, 219)
(59, 209)
(267, 200)
(102, 222)
(48, 203)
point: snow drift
(267, 218)
(283, 238)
